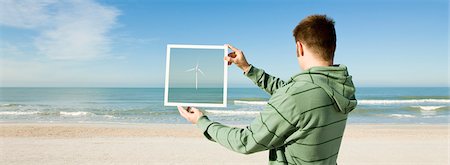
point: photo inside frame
(196, 76)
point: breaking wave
(428, 108)
(412, 101)
(250, 102)
(78, 113)
(402, 116)
(229, 112)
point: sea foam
(10, 105)
(77, 113)
(428, 108)
(412, 101)
(366, 102)
(230, 112)
(401, 116)
(250, 102)
(19, 112)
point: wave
(230, 112)
(412, 101)
(368, 102)
(19, 113)
(5, 105)
(401, 116)
(11, 105)
(77, 113)
(428, 108)
(250, 102)
(61, 113)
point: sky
(109, 43)
(183, 62)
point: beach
(84, 143)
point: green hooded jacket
(303, 121)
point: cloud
(24, 13)
(67, 30)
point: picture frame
(173, 95)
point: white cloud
(69, 30)
(24, 13)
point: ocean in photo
(193, 95)
(145, 105)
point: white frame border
(225, 76)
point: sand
(61, 143)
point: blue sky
(123, 43)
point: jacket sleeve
(263, 80)
(269, 130)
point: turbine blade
(201, 72)
(190, 70)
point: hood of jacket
(336, 81)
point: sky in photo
(117, 43)
(183, 62)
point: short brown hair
(318, 33)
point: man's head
(315, 38)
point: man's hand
(190, 113)
(237, 57)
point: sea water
(145, 105)
(193, 95)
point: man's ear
(299, 46)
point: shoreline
(75, 130)
(142, 143)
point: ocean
(192, 95)
(145, 105)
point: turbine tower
(197, 70)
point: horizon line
(207, 87)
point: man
(304, 120)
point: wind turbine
(197, 70)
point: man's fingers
(232, 54)
(194, 110)
(229, 59)
(188, 109)
(232, 48)
(190, 113)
